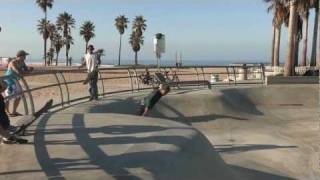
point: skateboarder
(91, 62)
(151, 100)
(5, 122)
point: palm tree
(280, 12)
(100, 53)
(303, 10)
(44, 5)
(65, 22)
(43, 30)
(136, 42)
(315, 34)
(87, 32)
(121, 24)
(58, 44)
(139, 25)
(289, 64)
(68, 41)
(52, 30)
(136, 38)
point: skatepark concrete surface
(240, 133)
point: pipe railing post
(60, 88)
(177, 77)
(197, 76)
(136, 78)
(204, 78)
(29, 94)
(102, 83)
(235, 75)
(25, 104)
(66, 85)
(228, 75)
(263, 73)
(129, 73)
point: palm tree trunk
(45, 41)
(136, 58)
(276, 47)
(44, 51)
(120, 50)
(57, 58)
(67, 56)
(87, 47)
(273, 45)
(318, 43)
(296, 50)
(305, 40)
(288, 69)
(315, 35)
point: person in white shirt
(91, 63)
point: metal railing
(131, 75)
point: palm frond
(87, 30)
(44, 4)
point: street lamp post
(159, 47)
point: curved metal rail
(132, 76)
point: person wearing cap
(16, 68)
(6, 137)
(91, 63)
(151, 100)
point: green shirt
(152, 99)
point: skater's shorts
(12, 89)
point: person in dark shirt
(7, 138)
(151, 100)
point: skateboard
(30, 119)
(91, 75)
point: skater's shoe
(14, 140)
(9, 140)
(21, 141)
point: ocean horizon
(163, 62)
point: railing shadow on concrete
(234, 75)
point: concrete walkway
(227, 133)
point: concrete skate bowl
(247, 126)
(187, 136)
(205, 105)
(237, 104)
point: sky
(202, 30)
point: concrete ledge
(292, 80)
